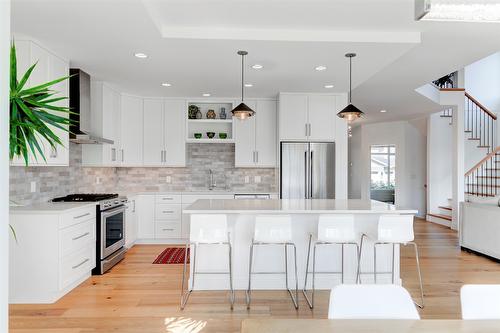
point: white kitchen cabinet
(308, 117)
(145, 216)
(164, 133)
(255, 144)
(49, 67)
(131, 138)
(105, 123)
(131, 222)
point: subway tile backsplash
(201, 157)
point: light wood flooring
(137, 296)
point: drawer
(76, 237)
(77, 216)
(76, 265)
(170, 229)
(168, 199)
(168, 212)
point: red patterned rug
(172, 255)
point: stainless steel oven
(112, 230)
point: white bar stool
(333, 229)
(273, 230)
(209, 229)
(392, 230)
(480, 301)
(371, 302)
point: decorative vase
(192, 110)
(222, 114)
(198, 114)
(210, 114)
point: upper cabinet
(164, 132)
(308, 117)
(131, 138)
(49, 67)
(255, 143)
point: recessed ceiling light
(320, 68)
(206, 95)
(141, 55)
(166, 84)
(257, 66)
(248, 85)
(383, 111)
(329, 86)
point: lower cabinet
(54, 252)
(131, 222)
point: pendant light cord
(350, 80)
(242, 77)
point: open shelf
(205, 125)
(210, 120)
(214, 140)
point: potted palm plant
(33, 110)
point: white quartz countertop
(50, 207)
(214, 192)
(294, 206)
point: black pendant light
(350, 112)
(242, 111)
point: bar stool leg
(393, 261)
(231, 297)
(342, 264)
(358, 278)
(375, 262)
(304, 290)
(286, 268)
(185, 295)
(421, 305)
(248, 299)
(294, 299)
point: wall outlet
(168, 179)
(257, 179)
(33, 187)
(97, 180)
(247, 179)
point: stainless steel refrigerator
(307, 170)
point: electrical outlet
(97, 180)
(247, 179)
(33, 187)
(257, 179)
(168, 179)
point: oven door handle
(113, 211)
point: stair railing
(482, 179)
(480, 123)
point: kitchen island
(304, 213)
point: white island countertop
(294, 206)
(50, 207)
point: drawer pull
(83, 262)
(168, 229)
(80, 216)
(168, 199)
(168, 211)
(81, 236)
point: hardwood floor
(137, 296)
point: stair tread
(445, 207)
(480, 194)
(474, 139)
(483, 146)
(441, 216)
(489, 177)
(481, 185)
(443, 116)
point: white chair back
(480, 301)
(385, 301)
(273, 229)
(336, 228)
(395, 229)
(208, 228)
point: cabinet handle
(123, 155)
(170, 229)
(306, 130)
(168, 211)
(80, 216)
(309, 129)
(165, 156)
(167, 198)
(81, 236)
(83, 262)
(133, 210)
(257, 156)
(113, 154)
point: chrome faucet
(212, 184)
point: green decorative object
(192, 110)
(223, 135)
(211, 134)
(32, 111)
(211, 114)
(197, 135)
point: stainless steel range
(110, 225)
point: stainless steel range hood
(79, 102)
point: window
(383, 172)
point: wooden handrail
(490, 155)
(451, 89)
(481, 106)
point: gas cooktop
(86, 197)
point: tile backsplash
(58, 181)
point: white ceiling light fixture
(257, 66)
(140, 55)
(166, 84)
(206, 95)
(458, 10)
(328, 86)
(248, 85)
(383, 111)
(320, 68)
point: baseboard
(174, 241)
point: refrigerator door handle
(311, 173)
(305, 176)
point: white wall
(410, 141)
(482, 81)
(4, 163)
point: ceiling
(192, 44)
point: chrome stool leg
(304, 290)
(249, 290)
(185, 295)
(421, 305)
(231, 296)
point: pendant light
(350, 112)
(242, 111)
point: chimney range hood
(79, 102)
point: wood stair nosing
(445, 116)
(480, 194)
(482, 185)
(446, 207)
(474, 139)
(440, 216)
(489, 177)
(483, 146)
